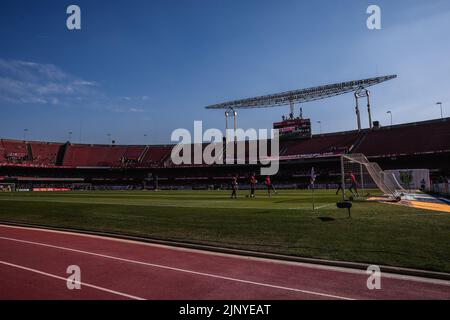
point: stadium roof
(302, 95)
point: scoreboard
(294, 128)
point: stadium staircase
(143, 154)
(30, 152)
(62, 154)
(358, 142)
(166, 160)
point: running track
(33, 264)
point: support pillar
(291, 107)
(235, 126)
(363, 93)
(233, 113)
(368, 109)
(358, 116)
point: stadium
(37, 165)
(360, 211)
(93, 187)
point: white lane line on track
(240, 257)
(64, 279)
(181, 270)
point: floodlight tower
(227, 114)
(290, 98)
(390, 113)
(235, 125)
(358, 116)
(232, 112)
(291, 107)
(440, 105)
(362, 93)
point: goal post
(360, 177)
(7, 187)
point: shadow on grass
(326, 219)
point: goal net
(7, 187)
(363, 178)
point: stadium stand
(326, 144)
(14, 151)
(78, 155)
(44, 153)
(156, 155)
(399, 143)
(2, 153)
(408, 139)
(133, 153)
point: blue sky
(147, 67)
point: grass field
(377, 233)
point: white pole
(440, 105)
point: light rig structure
(298, 126)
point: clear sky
(139, 69)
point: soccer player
(339, 188)
(253, 183)
(234, 187)
(269, 186)
(353, 186)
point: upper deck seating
(44, 153)
(409, 139)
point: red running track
(33, 264)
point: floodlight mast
(291, 106)
(359, 87)
(363, 93)
(228, 112)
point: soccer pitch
(285, 224)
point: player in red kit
(354, 184)
(269, 186)
(253, 183)
(234, 188)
